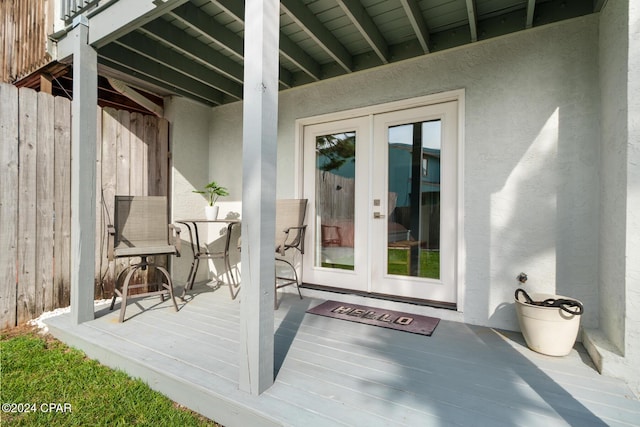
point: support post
(83, 172)
(260, 116)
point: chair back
(290, 224)
(141, 225)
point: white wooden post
(260, 116)
(83, 172)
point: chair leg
(191, 278)
(117, 292)
(295, 275)
(125, 291)
(295, 281)
(168, 286)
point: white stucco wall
(613, 82)
(632, 291)
(618, 339)
(531, 155)
(189, 136)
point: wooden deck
(337, 373)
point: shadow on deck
(332, 372)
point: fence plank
(22, 37)
(108, 191)
(27, 150)
(138, 168)
(62, 202)
(101, 227)
(8, 203)
(45, 198)
(123, 167)
(123, 150)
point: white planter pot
(547, 330)
(211, 212)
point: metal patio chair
(290, 230)
(141, 229)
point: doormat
(414, 323)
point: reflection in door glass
(335, 185)
(413, 238)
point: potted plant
(212, 191)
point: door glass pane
(335, 197)
(413, 238)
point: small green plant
(213, 191)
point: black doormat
(414, 323)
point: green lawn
(398, 263)
(429, 263)
(38, 371)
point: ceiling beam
(204, 24)
(193, 48)
(173, 36)
(367, 28)
(598, 5)
(418, 23)
(124, 17)
(110, 65)
(295, 54)
(287, 47)
(531, 6)
(311, 25)
(116, 19)
(473, 19)
(155, 51)
(155, 70)
(232, 8)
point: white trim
(461, 259)
(436, 98)
(458, 96)
(421, 101)
(445, 288)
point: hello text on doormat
(408, 322)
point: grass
(38, 370)
(398, 263)
(429, 263)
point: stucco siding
(189, 136)
(633, 195)
(613, 82)
(531, 144)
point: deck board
(332, 372)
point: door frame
(454, 95)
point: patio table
(202, 252)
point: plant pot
(547, 330)
(211, 212)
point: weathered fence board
(62, 202)
(8, 203)
(108, 191)
(45, 199)
(27, 149)
(24, 25)
(35, 193)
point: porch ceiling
(196, 49)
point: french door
(382, 192)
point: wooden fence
(35, 194)
(24, 25)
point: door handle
(378, 215)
